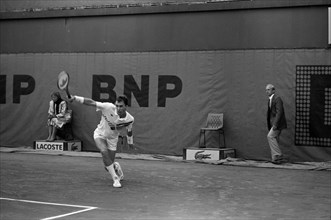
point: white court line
(87, 208)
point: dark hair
(123, 98)
(57, 94)
(58, 101)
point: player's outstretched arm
(83, 100)
(125, 124)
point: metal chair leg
(224, 138)
(204, 138)
(219, 139)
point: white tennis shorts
(111, 143)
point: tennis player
(114, 121)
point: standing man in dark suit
(276, 123)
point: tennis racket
(63, 82)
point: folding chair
(214, 123)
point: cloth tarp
(189, 84)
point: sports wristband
(79, 99)
(129, 139)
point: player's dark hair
(123, 98)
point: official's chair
(214, 123)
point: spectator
(58, 115)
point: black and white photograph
(165, 109)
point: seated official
(58, 115)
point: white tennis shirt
(110, 118)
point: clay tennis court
(46, 186)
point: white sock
(111, 170)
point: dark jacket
(276, 114)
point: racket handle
(68, 94)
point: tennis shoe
(117, 183)
(118, 170)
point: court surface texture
(41, 186)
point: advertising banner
(170, 95)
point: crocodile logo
(200, 156)
(63, 80)
(74, 147)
